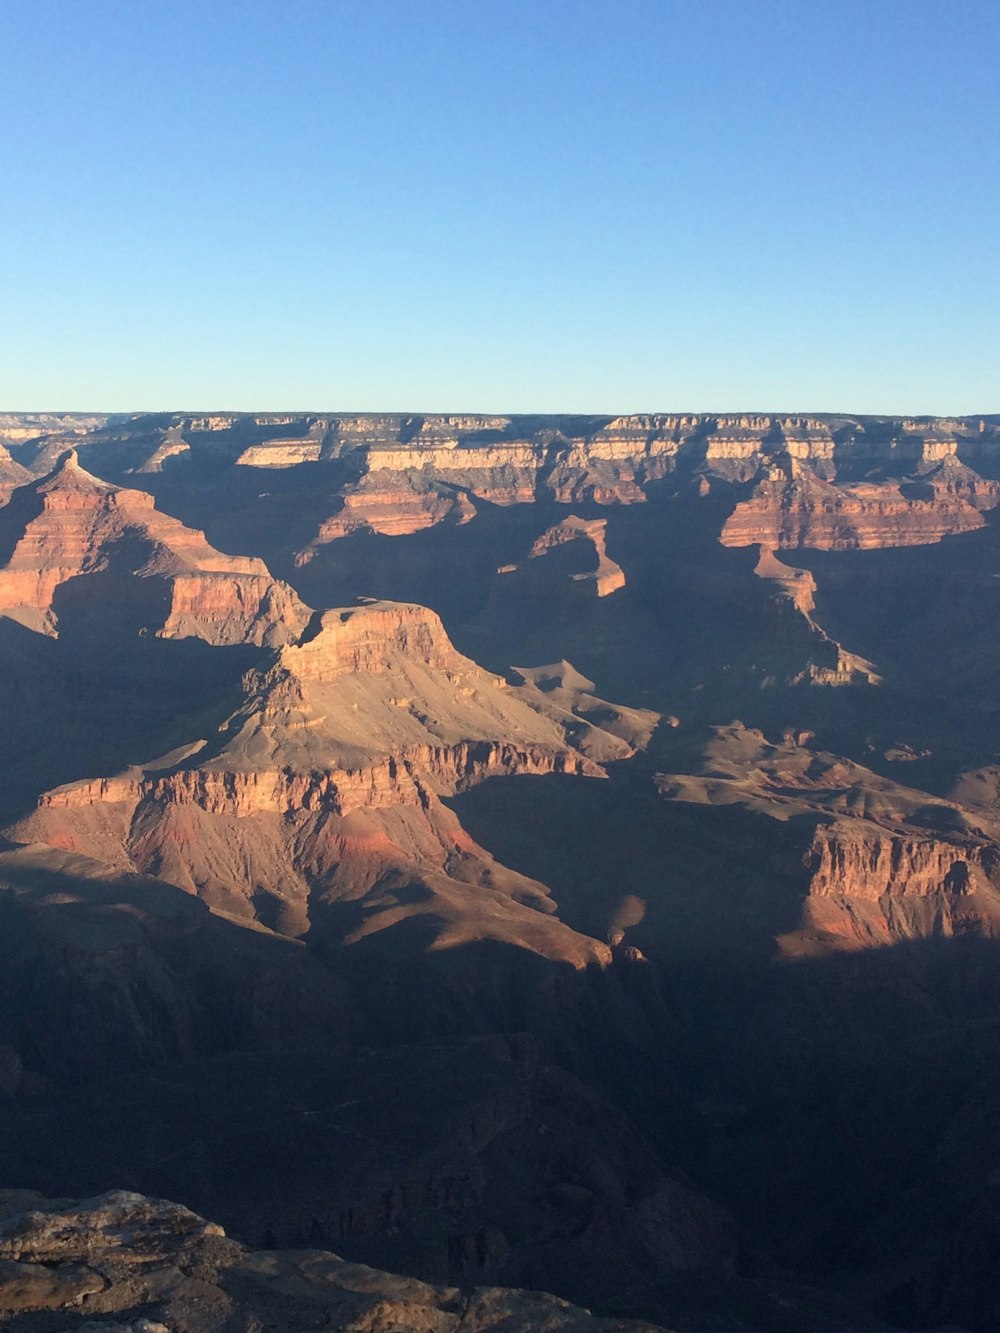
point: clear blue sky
(508, 205)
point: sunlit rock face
(894, 481)
(797, 507)
(606, 576)
(70, 526)
(329, 777)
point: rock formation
(607, 577)
(833, 664)
(835, 482)
(274, 946)
(12, 475)
(872, 886)
(70, 532)
(886, 863)
(16, 427)
(393, 507)
(324, 789)
(797, 508)
(122, 1261)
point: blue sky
(501, 205)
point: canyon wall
(833, 482)
(70, 527)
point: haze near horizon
(558, 207)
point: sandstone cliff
(19, 426)
(872, 886)
(837, 482)
(886, 863)
(607, 576)
(796, 507)
(70, 533)
(831, 663)
(393, 506)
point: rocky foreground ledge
(125, 1263)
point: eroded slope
(72, 544)
(318, 807)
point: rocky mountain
(320, 798)
(339, 903)
(70, 541)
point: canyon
(551, 860)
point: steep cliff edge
(318, 807)
(795, 507)
(886, 863)
(394, 507)
(71, 542)
(833, 664)
(831, 481)
(871, 886)
(133, 1264)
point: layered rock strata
(838, 482)
(886, 863)
(393, 507)
(870, 886)
(325, 788)
(16, 427)
(61, 533)
(795, 507)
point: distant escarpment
(795, 507)
(12, 475)
(71, 544)
(832, 481)
(319, 807)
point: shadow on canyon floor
(95, 700)
(674, 879)
(843, 1110)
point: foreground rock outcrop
(122, 1261)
